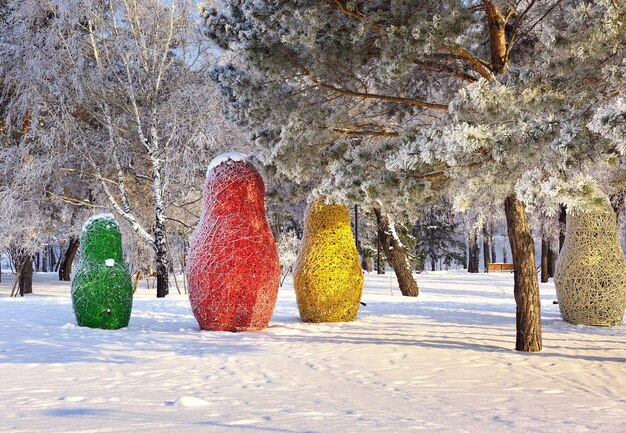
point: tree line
(413, 109)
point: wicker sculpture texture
(590, 276)
(327, 277)
(102, 291)
(233, 269)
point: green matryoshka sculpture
(102, 290)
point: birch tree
(121, 86)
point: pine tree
(324, 78)
(437, 239)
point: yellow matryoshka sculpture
(328, 279)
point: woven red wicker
(233, 267)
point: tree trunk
(617, 202)
(562, 226)
(380, 268)
(544, 260)
(492, 243)
(160, 247)
(183, 259)
(162, 275)
(420, 266)
(504, 256)
(433, 264)
(44, 259)
(497, 37)
(551, 261)
(395, 254)
(486, 260)
(526, 286)
(474, 252)
(26, 275)
(356, 228)
(53, 260)
(65, 266)
(366, 264)
(23, 266)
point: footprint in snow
(73, 399)
(243, 422)
(187, 402)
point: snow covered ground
(440, 363)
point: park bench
(500, 267)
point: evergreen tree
(437, 239)
(323, 78)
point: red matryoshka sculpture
(233, 269)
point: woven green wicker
(102, 291)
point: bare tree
(122, 86)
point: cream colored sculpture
(590, 276)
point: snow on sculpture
(590, 277)
(102, 291)
(327, 278)
(233, 269)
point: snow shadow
(489, 314)
(79, 411)
(45, 332)
(390, 340)
(243, 428)
(118, 348)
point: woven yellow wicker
(328, 278)
(590, 277)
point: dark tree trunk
(433, 264)
(486, 260)
(551, 261)
(395, 254)
(183, 259)
(53, 260)
(356, 228)
(65, 266)
(162, 280)
(562, 226)
(544, 260)
(617, 202)
(44, 259)
(366, 264)
(504, 256)
(23, 267)
(474, 252)
(162, 276)
(26, 275)
(37, 262)
(420, 266)
(492, 243)
(526, 286)
(380, 268)
(469, 254)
